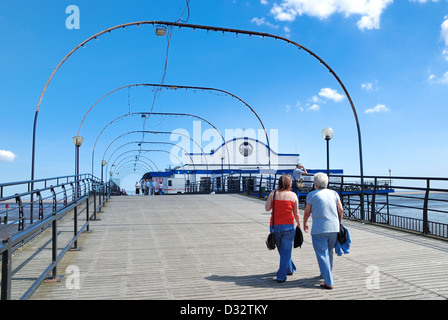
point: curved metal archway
(207, 28)
(128, 160)
(175, 87)
(160, 114)
(152, 142)
(158, 132)
(137, 159)
(152, 150)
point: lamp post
(110, 181)
(103, 163)
(222, 173)
(328, 133)
(77, 140)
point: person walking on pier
(137, 188)
(153, 188)
(325, 207)
(143, 187)
(297, 180)
(284, 204)
(147, 187)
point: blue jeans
(323, 245)
(294, 188)
(284, 240)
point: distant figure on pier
(137, 188)
(147, 187)
(143, 187)
(297, 180)
(160, 188)
(153, 188)
(325, 207)
(284, 205)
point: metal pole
(328, 159)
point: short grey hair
(321, 180)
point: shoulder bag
(270, 241)
(298, 238)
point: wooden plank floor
(212, 247)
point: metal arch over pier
(155, 132)
(175, 87)
(207, 28)
(157, 114)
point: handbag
(270, 241)
(299, 183)
(298, 238)
(342, 234)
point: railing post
(425, 209)
(65, 195)
(6, 270)
(341, 189)
(75, 226)
(87, 213)
(54, 198)
(373, 205)
(41, 206)
(21, 215)
(94, 204)
(54, 245)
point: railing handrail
(13, 241)
(8, 184)
(377, 192)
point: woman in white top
(325, 207)
(137, 188)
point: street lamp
(327, 133)
(222, 173)
(77, 140)
(160, 31)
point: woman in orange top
(285, 212)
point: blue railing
(417, 204)
(27, 213)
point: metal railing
(45, 207)
(417, 204)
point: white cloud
(369, 10)
(445, 53)
(314, 107)
(264, 2)
(424, 1)
(444, 79)
(444, 32)
(331, 94)
(439, 80)
(370, 86)
(7, 156)
(378, 108)
(262, 21)
(367, 86)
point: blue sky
(392, 57)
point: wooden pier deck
(197, 247)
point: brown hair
(284, 183)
